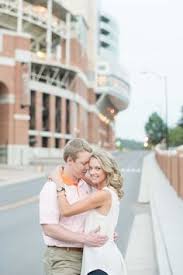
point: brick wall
(171, 163)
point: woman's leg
(97, 272)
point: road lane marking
(19, 203)
(131, 170)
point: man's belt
(69, 248)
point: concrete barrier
(167, 217)
(174, 172)
(180, 175)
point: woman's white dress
(108, 257)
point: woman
(104, 210)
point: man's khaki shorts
(62, 261)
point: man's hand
(95, 239)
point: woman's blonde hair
(110, 167)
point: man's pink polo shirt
(49, 212)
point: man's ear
(69, 160)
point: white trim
(23, 56)
(33, 133)
(7, 99)
(58, 135)
(49, 29)
(45, 134)
(20, 16)
(49, 89)
(68, 38)
(7, 61)
(49, 134)
(68, 136)
(22, 117)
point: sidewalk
(156, 242)
(167, 213)
(13, 175)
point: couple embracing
(79, 209)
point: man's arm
(60, 233)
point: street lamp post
(164, 78)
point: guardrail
(171, 163)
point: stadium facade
(50, 88)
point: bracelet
(60, 193)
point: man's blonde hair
(75, 146)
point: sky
(151, 40)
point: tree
(119, 144)
(180, 122)
(176, 136)
(155, 129)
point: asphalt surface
(20, 236)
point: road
(131, 164)
(20, 236)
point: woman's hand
(56, 176)
(115, 236)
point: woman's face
(97, 174)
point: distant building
(48, 95)
(113, 90)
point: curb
(167, 219)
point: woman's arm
(93, 201)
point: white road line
(131, 170)
(19, 203)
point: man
(64, 236)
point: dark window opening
(104, 19)
(97, 96)
(67, 116)
(57, 143)
(58, 114)
(103, 31)
(67, 140)
(104, 44)
(45, 142)
(45, 112)
(32, 141)
(32, 123)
